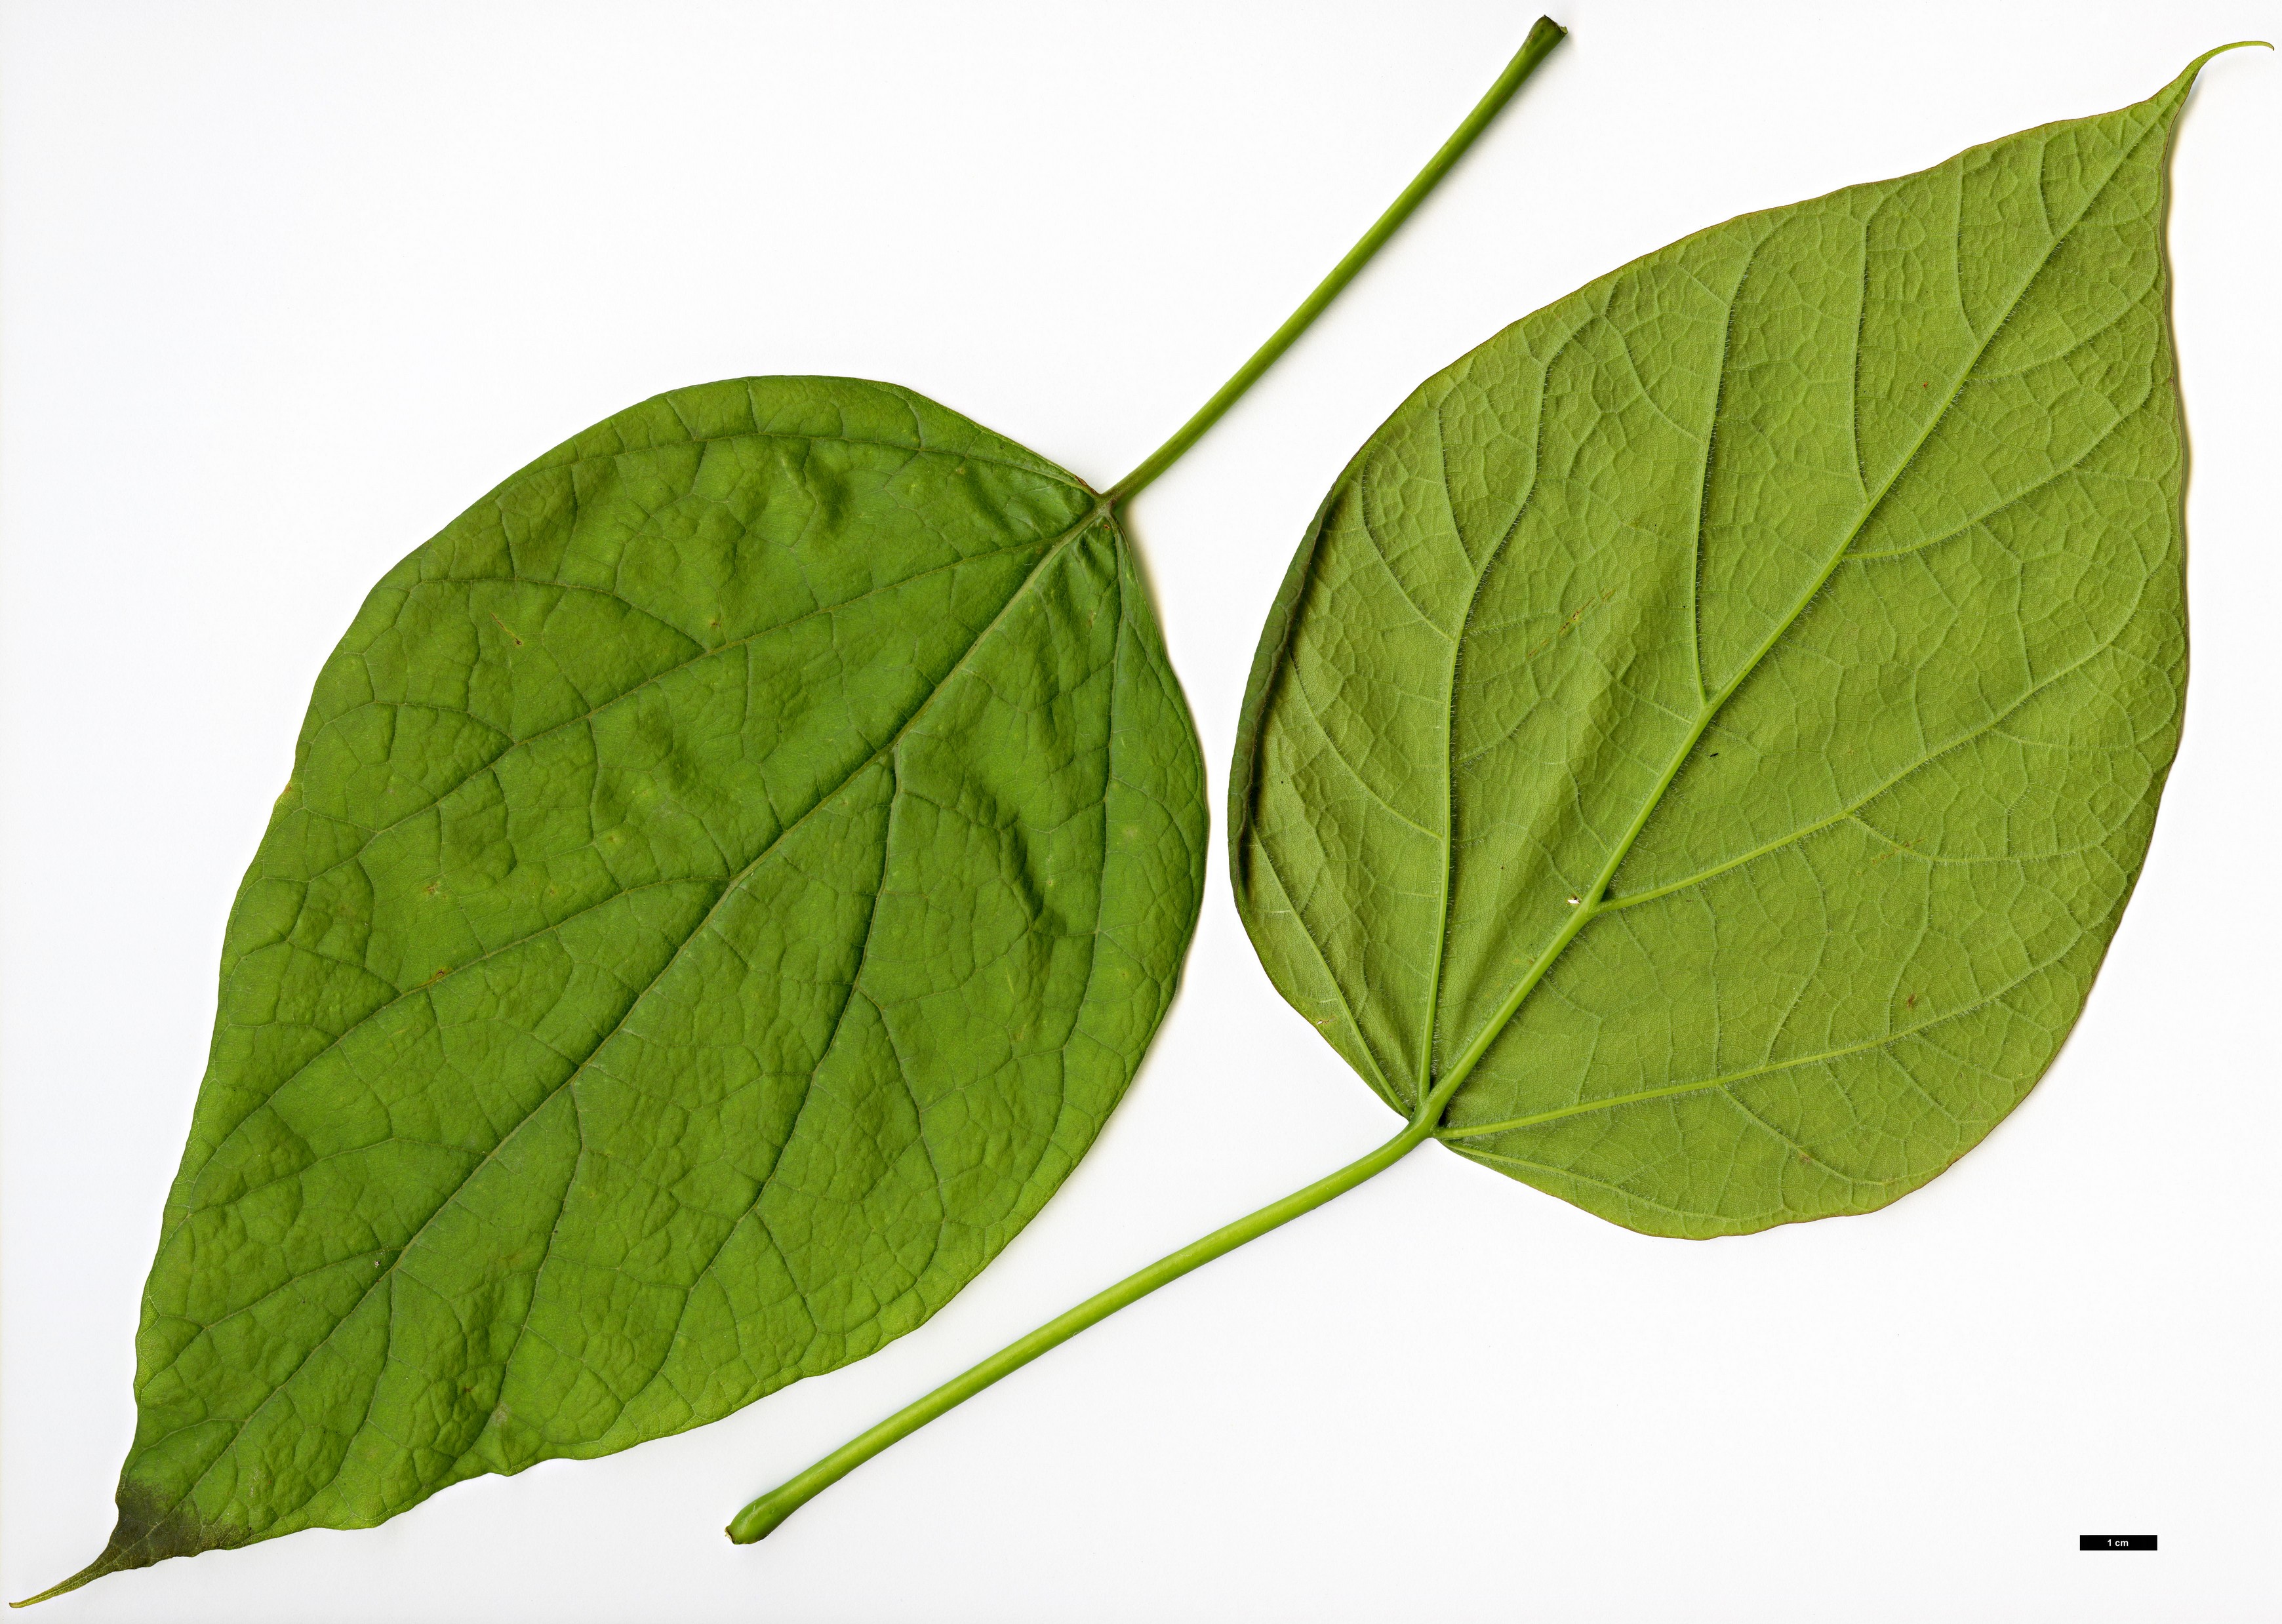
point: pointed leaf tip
(2187, 75)
(93, 1571)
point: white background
(287, 285)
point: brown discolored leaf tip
(148, 1531)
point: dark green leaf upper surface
(728, 878)
(1722, 716)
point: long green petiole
(756, 1520)
(1542, 38)
(761, 1517)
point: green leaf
(1705, 742)
(728, 877)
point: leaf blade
(1649, 508)
(729, 875)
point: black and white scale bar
(2115, 1542)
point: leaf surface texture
(1722, 716)
(728, 877)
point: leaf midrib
(1446, 1086)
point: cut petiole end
(765, 1515)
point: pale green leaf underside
(1728, 708)
(728, 877)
